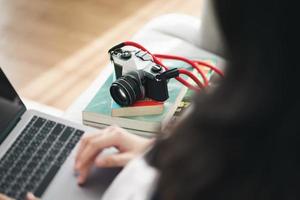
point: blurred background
(52, 50)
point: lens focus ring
(125, 91)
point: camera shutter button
(156, 69)
(126, 55)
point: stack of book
(139, 108)
(144, 117)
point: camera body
(137, 77)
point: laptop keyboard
(35, 157)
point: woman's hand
(29, 196)
(3, 197)
(92, 144)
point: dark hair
(242, 141)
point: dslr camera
(138, 77)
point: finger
(82, 169)
(31, 196)
(116, 160)
(83, 166)
(84, 140)
(88, 153)
(95, 146)
(86, 159)
(83, 145)
(83, 174)
(3, 197)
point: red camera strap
(194, 63)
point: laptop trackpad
(64, 185)
(101, 178)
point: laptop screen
(11, 106)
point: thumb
(31, 196)
(115, 160)
(3, 197)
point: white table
(43, 108)
(74, 112)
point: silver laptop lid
(11, 107)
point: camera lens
(121, 94)
(127, 89)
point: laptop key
(44, 167)
(39, 122)
(41, 151)
(2, 171)
(66, 134)
(40, 137)
(28, 136)
(54, 151)
(33, 119)
(30, 150)
(25, 157)
(58, 145)
(36, 156)
(31, 165)
(15, 169)
(46, 145)
(48, 178)
(4, 186)
(29, 187)
(22, 195)
(62, 157)
(51, 138)
(21, 180)
(50, 158)
(41, 171)
(27, 172)
(58, 129)
(18, 150)
(79, 133)
(16, 187)
(23, 144)
(50, 124)
(35, 179)
(7, 164)
(9, 179)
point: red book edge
(147, 102)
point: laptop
(37, 153)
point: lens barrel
(126, 90)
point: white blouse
(135, 182)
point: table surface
(41, 107)
(74, 112)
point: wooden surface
(53, 50)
